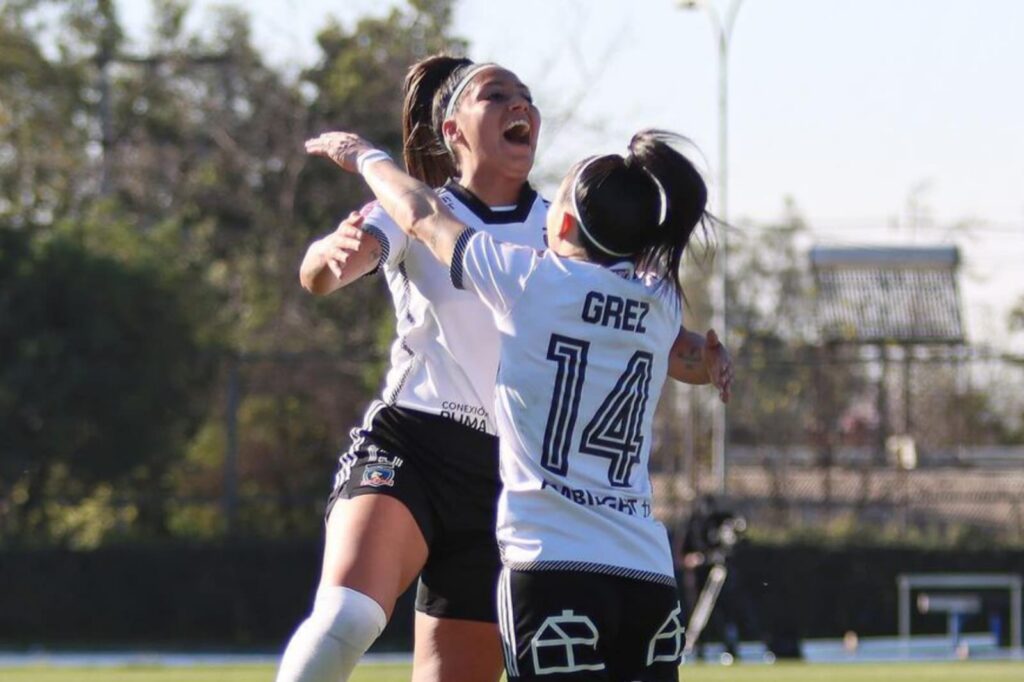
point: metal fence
(879, 442)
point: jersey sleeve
(496, 271)
(670, 299)
(677, 308)
(393, 242)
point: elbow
(419, 213)
(314, 284)
(311, 272)
(307, 279)
(418, 229)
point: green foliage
(358, 86)
(43, 130)
(850, 530)
(102, 378)
(769, 285)
(770, 318)
(981, 413)
(1017, 316)
(154, 207)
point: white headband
(662, 199)
(457, 93)
(662, 206)
(579, 218)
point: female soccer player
(416, 494)
(589, 329)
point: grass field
(783, 672)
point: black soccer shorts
(558, 626)
(446, 474)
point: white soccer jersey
(584, 356)
(445, 357)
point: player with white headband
(589, 330)
(416, 493)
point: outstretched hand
(340, 147)
(719, 365)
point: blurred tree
(771, 329)
(790, 391)
(45, 163)
(1017, 316)
(358, 86)
(178, 171)
(102, 380)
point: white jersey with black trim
(584, 356)
(445, 357)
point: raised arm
(411, 204)
(696, 359)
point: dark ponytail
(621, 206)
(426, 83)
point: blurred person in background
(710, 538)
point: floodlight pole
(720, 319)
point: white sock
(329, 643)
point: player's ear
(566, 225)
(450, 130)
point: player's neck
(492, 188)
(568, 247)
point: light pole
(722, 27)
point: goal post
(1010, 582)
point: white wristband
(368, 157)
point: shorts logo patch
(565, 643)
(379, 471)
(667, 644)
(378, 475)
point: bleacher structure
(892, 295)
(904, 302)
(883, 417)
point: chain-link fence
(893, 443)
(883, 443)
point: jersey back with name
(445, 357)
(584, 356)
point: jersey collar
(524, 204)
(623, 268)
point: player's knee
(348, 616)
(330, 642)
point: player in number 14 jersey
(589, 330)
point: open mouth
(517, 132)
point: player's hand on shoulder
(336, 248)
(343, 148)
(719, 365)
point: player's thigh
(374, 546)
(453, 650)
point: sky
(885, 121)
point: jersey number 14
(615, 432)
